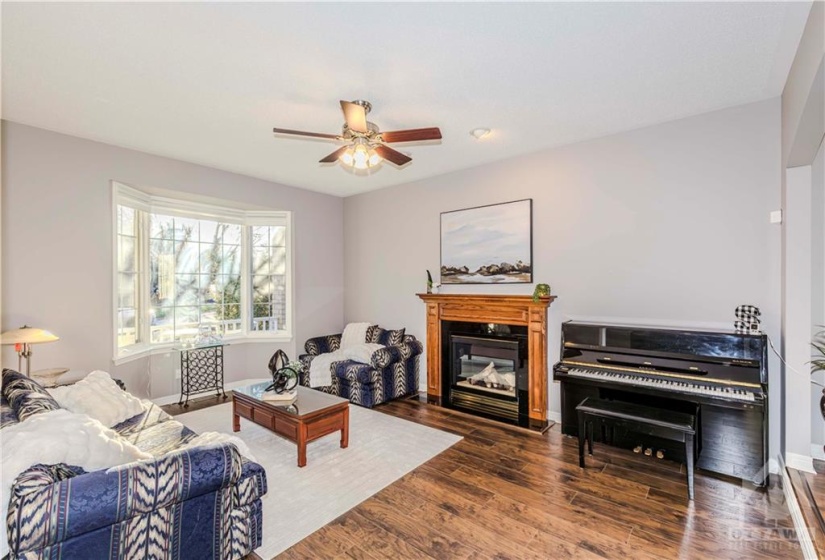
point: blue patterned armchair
(392, 372)
(200, 502)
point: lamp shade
(27, 335)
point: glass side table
(201, 370)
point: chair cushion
(26, 396)
(356, 371)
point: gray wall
(663, 225)
(803, 125)
(57, 250)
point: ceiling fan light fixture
(360, 156)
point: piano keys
(722, 377)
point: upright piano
(720, 377)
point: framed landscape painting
(488, 244)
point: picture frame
(490, 244)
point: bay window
(185, 269)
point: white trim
(138, 351)
(554, 416)
(171, 399)
(799, 462)
(801, 528)
(817, 452)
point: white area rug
(300, 501)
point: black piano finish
(731, 433)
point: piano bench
(666, 424)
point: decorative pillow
(388, 338)
(372, 334)
(25, 396)
(98, 396)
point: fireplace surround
(502, 317)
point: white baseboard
(554, 416)
(802, 534)
(799, 462)
(170, 399)
(817, 452)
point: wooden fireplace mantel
(487, 308)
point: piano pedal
(660, 454)
(648, 452)
(637, 449)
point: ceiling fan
(366, 144)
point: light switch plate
(776, 217)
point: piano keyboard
(722, 391)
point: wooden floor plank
(507, 493)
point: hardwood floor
(507, 493)
(810, 493)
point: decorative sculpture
(747, 319)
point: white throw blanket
(58, 436)
(218, 438)
(320, 372)
(354, 333)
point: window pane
(127, 289)
(186, 289)
(232, 290)
(161, 325)
(211, 232)
(126, 257)
(186, 322)
(161, 227)
(210, 255)
(161, 272)
(232, 234)
(126, 220)
(277, 236)
(231, 260)
(186, 230)
(126, 331)
(186, 257)
(260, 236)
(278, 261)
(261, 289)
(260, 260)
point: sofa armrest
(323, 344)
(391, 354)
(46, 508)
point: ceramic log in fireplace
(468, 333)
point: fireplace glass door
(487, 368)
(488, 376)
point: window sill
(138, 352)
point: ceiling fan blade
(334, 155)
(411, 135)
(302, 133)
(391, 155)
(355, 115)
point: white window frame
(187, 208)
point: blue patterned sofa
(392, 373)
(199, 503)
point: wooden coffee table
(311, 416)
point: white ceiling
(206, 82)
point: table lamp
(22, 339)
